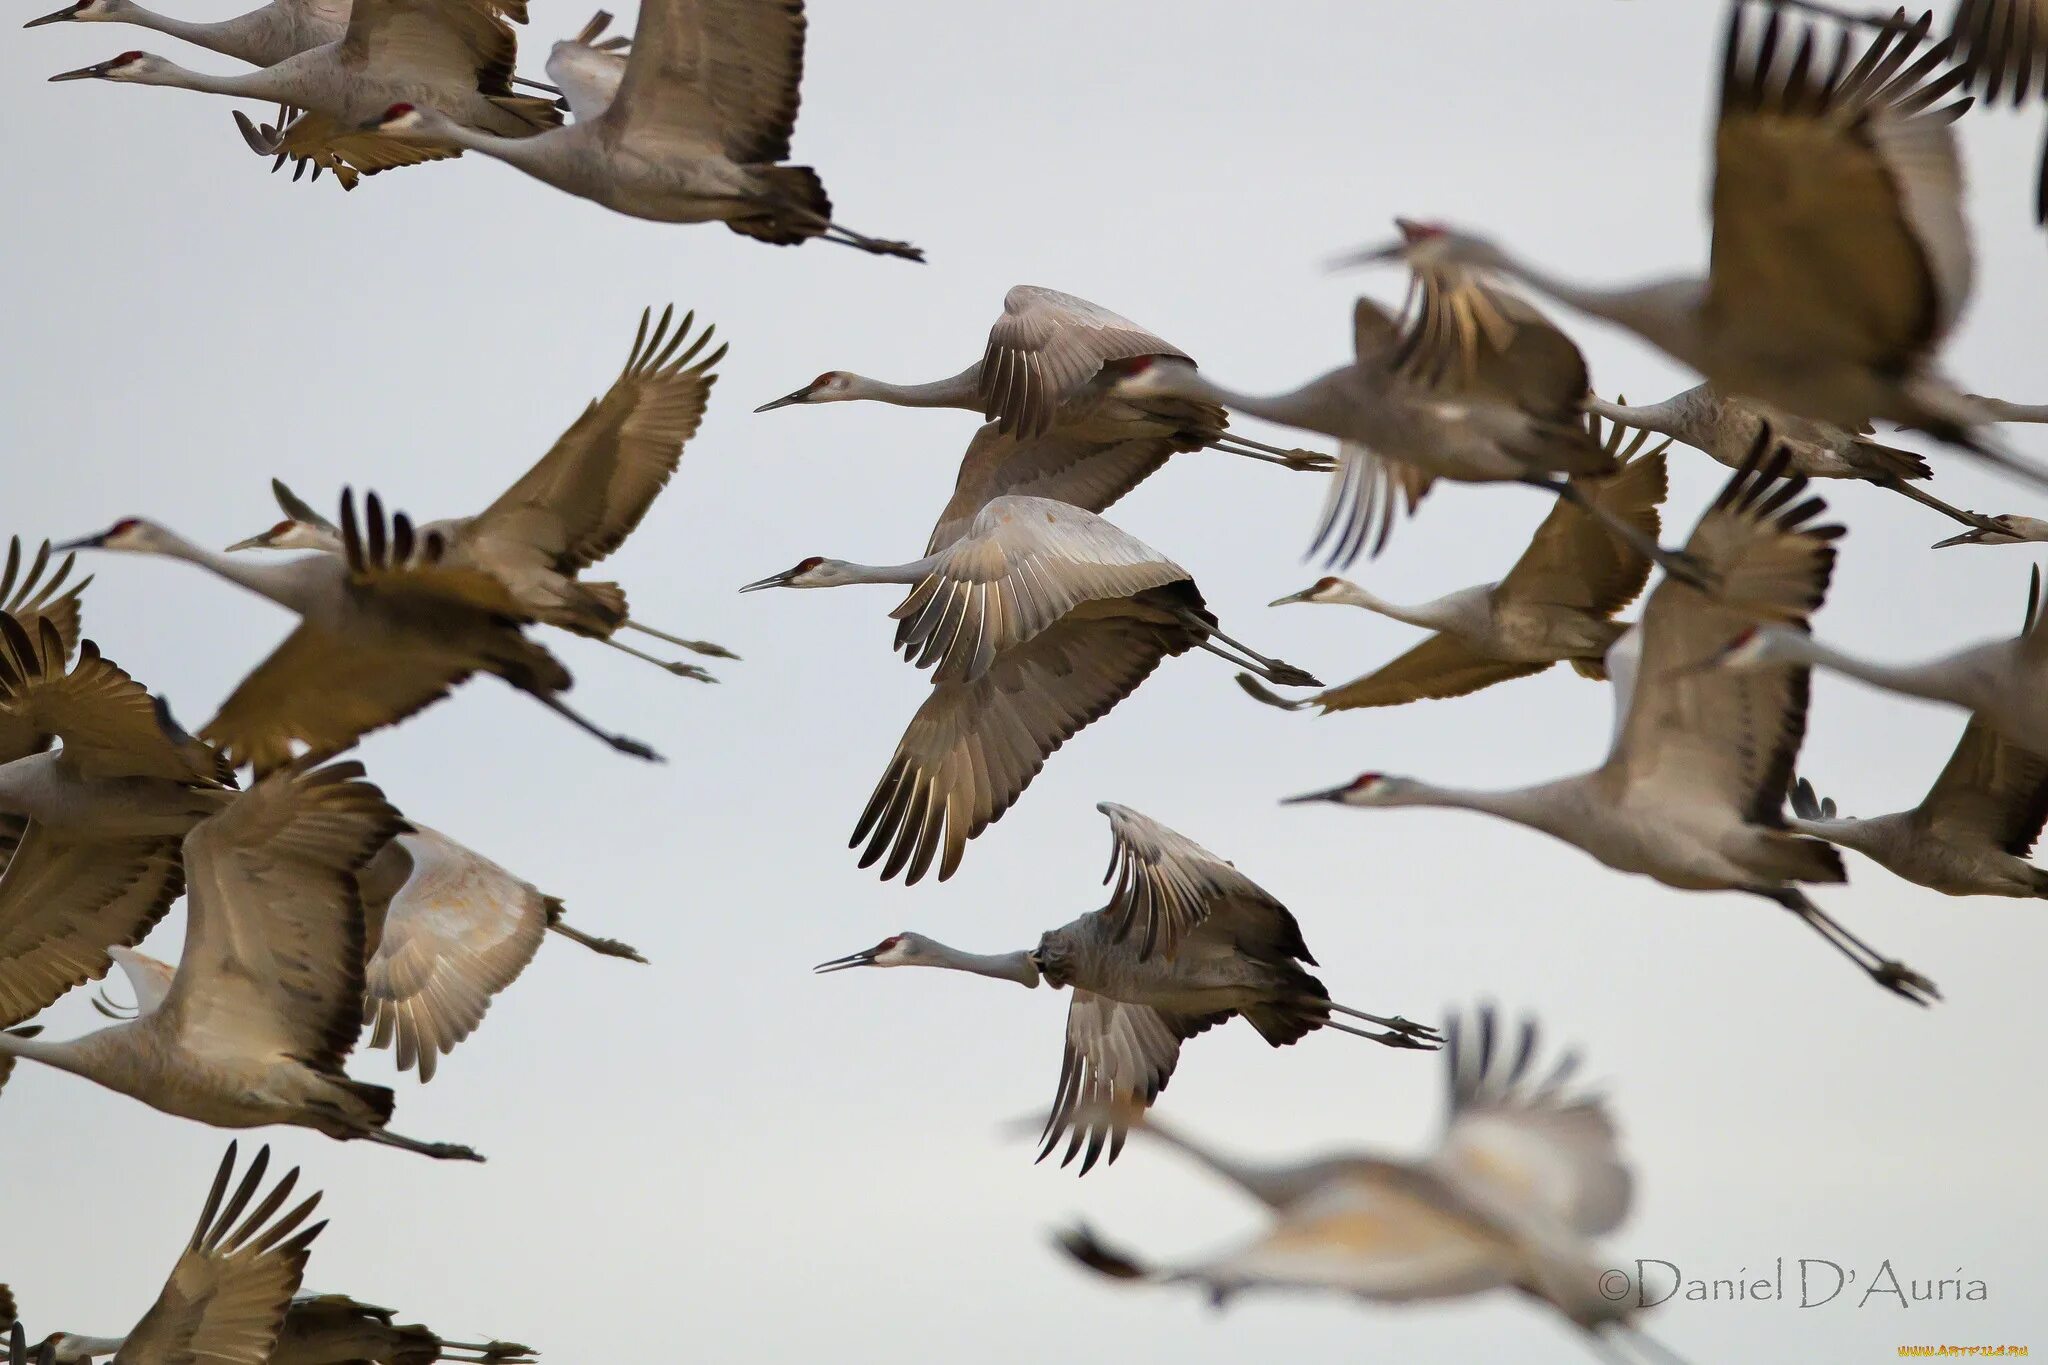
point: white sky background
(718, 1157)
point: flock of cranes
(317, 910)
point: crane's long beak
(864, 958)
(82, 543)
(256, 542)
(1972, 536)
(83, 73)
(774, 580)
(1305, 595)
(1332, 794)
(789, 398)
(57, 18)
(1370, 256)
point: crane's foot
(1287, 675)
(691, 671)
(1409, 1028)
(1903, 981)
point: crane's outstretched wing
(1837, 203)
(1575, 559)
(589, 71)
(226, 1298)
(1730, 735)
(274, 935)
(1167, 885)
(461, 930)
(1466, 334)
(718, 77)
(65, 900)
(1521, 1139)
(1046, 348)
(1991, 794)
(457, 42)
(973, 747)
(1063, 465)
(1117, 1057)
(1438, 668)
(589, 492)
(110, 726)
(1024, 565)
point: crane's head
(1366, 789)
(1430, 246)
(84, 12)
(139, 67)
(402, 120)
(833, 386)
(1152, 376)
(129, 533)
(897, 950)
(2010, 530)
(1322, 590)
(814, 572)
(69, 1348)
(290, 534)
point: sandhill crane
(29, 598)
(1049, 371)
(579, 502)
(1999, 410)
(1556, 604)
(1833, 301)
(385, 630)
(1693, 789)
(457, 53)
(2006, 529)
(704, 113)
(1476, 387)
(1526, 1175)
(2002, 683)
(1185, 943)
(226, 1299)
(97, 861)
(1969, 836)
(330, 1329)
(1040, 619)
(1726, 428)
(267, 1000)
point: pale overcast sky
(718, 1157)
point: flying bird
(1187, 942)
(267, 1001)
(1526, 1175)
(385, 630)
(329, 1329)
(695, 134)
(579, 503)
(1692, 792)
(1841, 256)
(457, 53)
(1036, 623)
(1556, 604)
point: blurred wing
(1520, 1141)
(2001, 44)
(973, 747)
(274, 934)
(110, 726)
(1167, 884)
(711, 78)
(1046, 348)
(1024, 565)
(1575, 560)
(1729, 734)
(1439, 667)
(1837, 203)
(1991, 793)
(324, 141)
(461, 43)
(1468, 335)
(1117, 1057)
(461, 930)
(1064, 466)
(1366, 495)
(64, 902)
(226, 1298)
(588, 493)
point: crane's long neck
(1298, 408)
(2002, 411)
(1274, 1186)
(962, 390)
(1438, 614)
(1934, 679)
(1659, 311)
(913, 572)
(283, 583)
(539, 155)
(260, 85)
(226, 36)
(66, 1054)
(75, 1348)
(1547, 807)
(1666, 418)
(1017, 966)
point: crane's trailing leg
(440, 1151)
(620, 742)
(1307, 461)
(1926, 499)
(1258, 691)
(1407, 1027)
(609, 947)
(1272, 670)
(681, 670)
(694, 646)
(830, 231)
(1677, 563)
(1894, 976)
(1864, 18)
